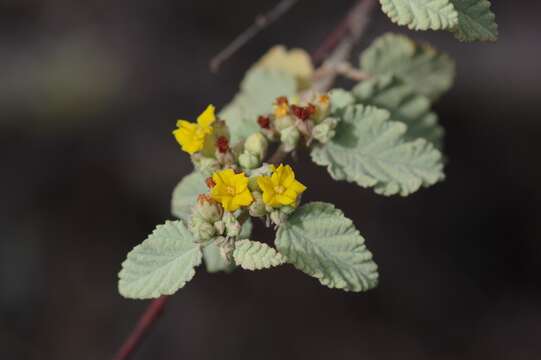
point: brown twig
(144, 324)
(260, 23)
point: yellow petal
(207, 117)
(297, 186)
(245, 198)
(285, 200)
(288, 176)
(265, 183)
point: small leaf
(258, 91)
(340, 99)
(320, 241)
(370, 150)
(214, 261)
(476, 22)
(421, 14)
(160, 265)
(427, 71)
(253, 255)
(389, 93)
(185, 195)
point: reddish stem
(144, 324)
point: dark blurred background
(89, 94)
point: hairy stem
(149, 317)
(260, 23)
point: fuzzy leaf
(320, 241)
(214, 261)
(258, 90)
(185, 195)
(340, 99)
(370, 150)
(421, 14)
(389, 93)
(160, 265)
(427, 71)
(253, 255)
(476, 22)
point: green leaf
(340, 99)
(421, 14)
(253, 255)
(427, 71)
(214, 261)
(185, 195)
(320, 241)
(258, 90)
(389, 93)
(370, 150)
(476, 22)
(161, 264)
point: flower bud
(290, 137)
(220, 227)
(283, 123)
(202, 230)
(257, 208)
(248, 160)
(207, 209)
(263, 170)
(232, 225)
(277, 217)
(325, 131)
(256, 144)
(323, 107)
(205, 165)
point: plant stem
(149, 317)
(341, 41)
(260, 23)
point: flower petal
(207, 117)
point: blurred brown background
(89, 93)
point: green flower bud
(283, 123)
(207, 209)
(219, 226)
(257, 208)
(249, 161)
(290, 137)
(256, 144)
(232, 225)
(205, 165)
(202, 230)
(263, 170)
(277, 217)
(325, 131)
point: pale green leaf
(214, 261)
(370, 150)
(476, 22)
(258, 90)
(185, 195)
(421, 14)
(389, 93)
(340, 99)
(253, 255)
(320, 241)
(427, 71)
(160, 265)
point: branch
(145, 323)
(260, 23)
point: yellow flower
(231, 189)
(191, 136)
(280, 188)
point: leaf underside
(185, 194)
(476, 22)
(253, 255)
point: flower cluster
(292, 121)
